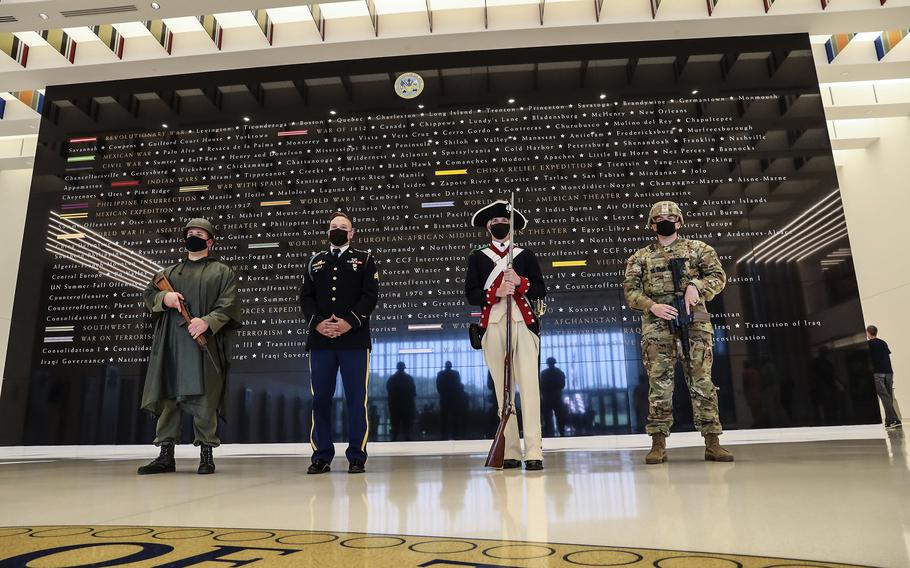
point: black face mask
(338, 237)
(666, 228)
(195, 244)
(499, 230)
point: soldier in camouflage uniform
(648, 287)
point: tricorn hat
(498, 208)
(199, 223)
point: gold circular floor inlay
(603, 558)
(139, 547)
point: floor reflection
(777, 499)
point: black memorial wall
(588, 137)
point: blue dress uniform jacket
(347, 287)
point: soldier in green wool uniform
(648, 288)
(181, 377)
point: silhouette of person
(451, 401)
(402, 403)
(825, 386)
(752, 388)
(552, 383)
(774, 413)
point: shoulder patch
(314, 260)
(696, 245)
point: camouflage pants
(659, 352)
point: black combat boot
(164, 463)
(318, 466)
(206, 461)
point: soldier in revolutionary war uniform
(180, 376)
(649, 288)
(488, 282)
(339, 292)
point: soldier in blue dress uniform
(339, 292)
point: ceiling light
(43, 16)
(164, 126)
(603, 96)
(781, 235)
(800, 236)
(246, 119)
(155, 5)
(511, 101)
(419, 106)
(834, 239)
(332, 112)
(793, 252)
(695, 91)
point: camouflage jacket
(648, 279)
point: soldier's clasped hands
(511, 276)
(507, 288)
(333, 327)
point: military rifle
(679, 325)
(162, 283)
(496, 457)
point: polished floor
(825, 495)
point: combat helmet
(665, 208)
(200, 223)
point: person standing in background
(552, 383)
(402, 403)
(752, 389)
(451, 401)
(884, 376)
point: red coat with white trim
(532, 287)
